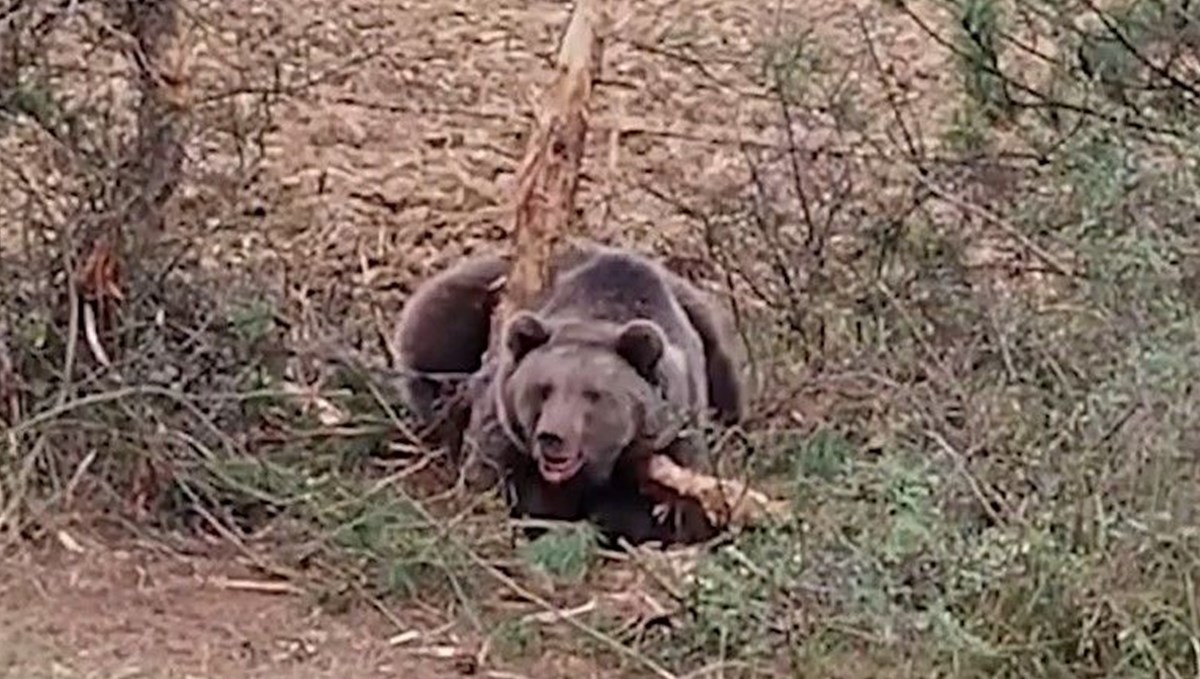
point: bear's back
(618, 287)
(612, 287)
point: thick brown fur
(440, 339)
(615, 349)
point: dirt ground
(395, 159)
(94, 603)
(134, 610)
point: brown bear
(618, 358)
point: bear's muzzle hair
(640, 342)
(660, 423)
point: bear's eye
(543, 391)
(591, 395)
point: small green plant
(823, 457)
(980, 48)
(969, 130)
(517, 638)
(252, 320)
(564, 552)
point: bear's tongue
(560, 470)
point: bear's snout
(551, 446)
(557, 463)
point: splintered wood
(549, 173)
(725, 501)
(545, 218)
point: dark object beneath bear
(618, 358)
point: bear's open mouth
(559, 470)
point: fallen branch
(259, 586)
(726, 502)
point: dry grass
(970, 300)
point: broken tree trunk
(545, 218)
(150, 166)
(549, 173)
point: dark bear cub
(619, 359)
(441, 337)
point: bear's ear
(524, 333)
(641, 344)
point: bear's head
(577, 393)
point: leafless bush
(115, 155)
